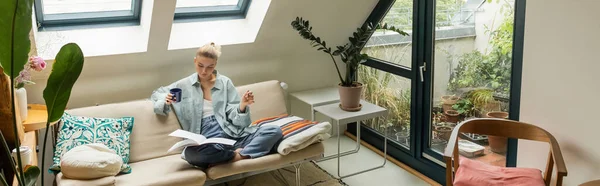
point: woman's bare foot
(238, 156)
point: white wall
(277, 53)
(560, 84)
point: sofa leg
(298, 174)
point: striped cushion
(290, 125)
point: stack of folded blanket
(298, 132)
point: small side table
(342, 117)
(36, 117)
(317, 97)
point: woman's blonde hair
(210, 50)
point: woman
(211, 106)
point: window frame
(238, 11)
(121, 17)
(419, 156)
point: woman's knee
(271, 130)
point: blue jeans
(264, 141)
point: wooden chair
(510, 129)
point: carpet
(310, 175)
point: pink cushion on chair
(476, 173)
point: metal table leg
(356, 149)
(362, 171)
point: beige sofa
(150, 163)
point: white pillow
(90, 161)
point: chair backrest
(505, 128)
(509, 129)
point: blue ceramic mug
(176, 92)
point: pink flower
(37, 63)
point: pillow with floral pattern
(81, 130)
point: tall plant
(15, 26)
(350, 53)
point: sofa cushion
(265, 162)
(91, 161)
(474, 173)
(269, 97)
(80, 130)
(150, 136)
(61, 180)
(168, 170)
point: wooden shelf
(36, 117)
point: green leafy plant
(491, 69)
(481, 97)
(350, 53)
(464, 107)
(380, 90)
(15, 26)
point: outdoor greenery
(479, 75)
(379, 90)
(490, 69)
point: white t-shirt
(207, 110)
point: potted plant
(350, 89)
(483, 101)
(448, 101)
(497, 143)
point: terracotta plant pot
(350, 97)
(444, 132)
(497, 143)
(447, 107)
(452, 116)
(503, 115)
(449, 99)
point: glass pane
(473, 56)
(197, 3)
(390, 46)
(393, 93)
(80, 6)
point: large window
(211, 9)
(61, 13)
(462, 60)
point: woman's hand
(169, 99)
(247, 99)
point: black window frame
(422, 37)
(104, 18)
(238, 11)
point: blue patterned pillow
(78, 130)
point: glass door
(461, 60)
(471, 74)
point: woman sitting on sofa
(210, 105)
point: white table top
(368, 111)
(318, 96)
